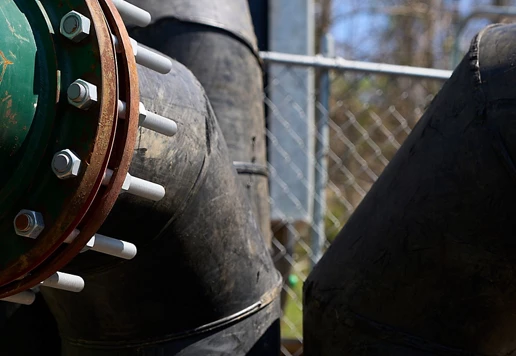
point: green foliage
(292, 321)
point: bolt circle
(75, 26)
(62, 162)
(71, 24)
(65, 164)
(23, 222)
(82, 94)
(77, 92)
(28, 223)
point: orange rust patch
(5, 64)
(9, 114)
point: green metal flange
(60, 130)
(39, 72)
(28, 91)
(19, 84)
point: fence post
(322, 140)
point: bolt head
(75, 26)
(29, 223)
(77, 92)
(66, 164)
(82, 94)
(61, 163)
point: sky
(356, 29)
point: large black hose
(28, 330)
(203, 282)
(216, 41)
(426, 264)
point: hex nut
(29, 223)
(66, 164)
(75, 26)
(82, 94)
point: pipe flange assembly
(69, 86)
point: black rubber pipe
(203, 282)
(426, 264)
(28, 330)
(216, 41)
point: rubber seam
(264, 301)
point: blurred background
(346, 81)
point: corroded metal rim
(121, 156)
(127, 128)
(91, 181)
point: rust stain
(9, 114)
(5, 63)
(46, 256)
(7, 97)
(13, 31)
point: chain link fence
(361, 116)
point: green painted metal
(18, 171)
(26, 179)
(18, 93)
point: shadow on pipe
(203, 281)
(425, 266)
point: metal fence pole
(322, 143)
(345, 65)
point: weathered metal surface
(120, 160)
(128, 128)
(90, 134)
(121, 156)
(20, 172)
(17, 79)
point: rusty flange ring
(119, 162)
(127, 128)
(87, 193)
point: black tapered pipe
(28, 330)
(426, 264)
(203, 282)
(216, 41)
